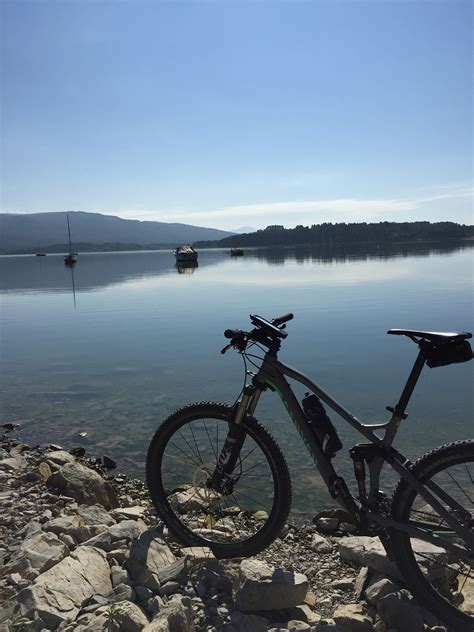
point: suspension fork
(235, 439)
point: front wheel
(237, 522)
(442, 580)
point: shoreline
(82, 549)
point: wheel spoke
(220, 515)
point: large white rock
(42, 550)
(58, 594)
(84, 485)
(149, 554)
(264, 587)
(367, 551)
(129, 618)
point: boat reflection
(186, 267)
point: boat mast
(69, 233)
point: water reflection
(97, 270)
(186, 267)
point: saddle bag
(448, 353)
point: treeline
(331, 234)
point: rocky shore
(81, 550)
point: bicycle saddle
(438, 337)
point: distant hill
(328, 234)
(28, 232)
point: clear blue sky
(231, 114)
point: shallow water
(114, 346)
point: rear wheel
(245, 518)
(442, 580)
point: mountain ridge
(30, 231)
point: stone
(102, 541)
(241, 622)
(467, 593)
(400, 611)
(74, 526)
(15, 463)
(187, 500)
(169, 588)
(361, 582)
(129, 513)
(127, 530)
(122, 592)
(346, 527)
(378, 589)
(84, 485)
(341, 515)
(123, 616)
(143, 593)
(61, 457)
(197, 554)
(58, 594)
(155, 605)
(44, 471)
(321, 544)
(132, 618)
(176, 571)
(367, 551)
(273, 588)
(344, 583)
(212, 579)
(301, 613)
(351, 618)
(148, 555)
(118, 575)
(174, 616)
(95, 515)
(42, 550)
(327, 525)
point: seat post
(399, 409)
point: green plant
(114, 616)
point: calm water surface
(113, 347)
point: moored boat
(236, 252)
(185, 253)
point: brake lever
(226, 348)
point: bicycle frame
(272, 374)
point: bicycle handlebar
(282, 319)
(266, 332)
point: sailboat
(71, 258)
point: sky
(239, 113)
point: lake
(113, 346)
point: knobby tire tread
(262, 538)
(403, 499)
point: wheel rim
(449, 575)
(188, 458)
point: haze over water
(113, 347)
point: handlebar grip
(233, 333)
(282, 319)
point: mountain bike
(218, 479)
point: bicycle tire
(162, 499)
(427, 577)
